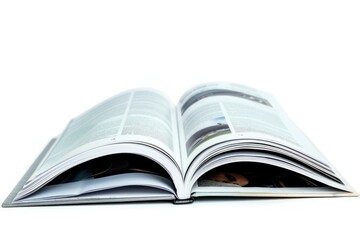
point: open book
(221, 139)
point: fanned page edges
(115, 159)
(234, 151)
(130, 177)
(260, 173)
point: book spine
(183, 201)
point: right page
(216, 118)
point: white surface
(58, 59)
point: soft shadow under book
(220, 140)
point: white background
(58, 58)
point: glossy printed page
(140, 115)
(221, 112)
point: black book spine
(183, 201)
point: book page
(216, 113)
(141, 115)
(151, 116)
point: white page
(137, 114)
(220, 112)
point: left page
(141, 116)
